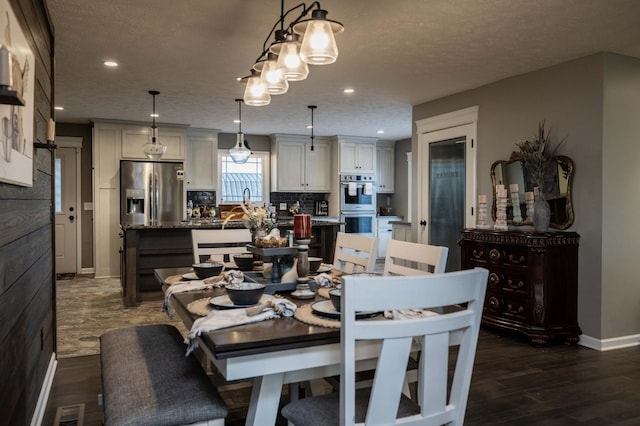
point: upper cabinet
(385, 162)
(295, 168)
(201, 166)
(357, 155)
(134, 138)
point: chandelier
(240, 153)
(297, 45)
(154, 150)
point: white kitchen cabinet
(295, 168)
(385, 167)
(402, 231)
(384, 232)
(357, 157)
(134, 138)
(201, 165)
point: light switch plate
(283, 206)
(88, 206)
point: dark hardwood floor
(513, 383)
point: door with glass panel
(66, 211)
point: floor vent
(70, 415)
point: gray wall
(570, 97)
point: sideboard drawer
(508, 281)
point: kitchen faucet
(246, 194)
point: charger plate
(305, 314)
(173, 279)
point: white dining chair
(407, 258)
(384, 402)
(215, 243)
(355, 253)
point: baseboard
(85, 271)
(609, 344)
(41, 407)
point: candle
(513, 187)
(51, 130)
(528, 195)
(302, 226)
(482, 199)
(5, 67)
(536, 191)
(499, 188)
(503, 193)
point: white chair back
(355, 253)
(407, 258)
(215, 243)
(460, 326)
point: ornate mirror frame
(557, 190)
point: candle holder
(501, 213)
(483, 217)
(530, 203)
(515, 203)
(303, 291)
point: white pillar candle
(482, 199)
(5, 67)
(51, 129)
(513, 187)
(503, 193)
(528, 195)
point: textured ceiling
(395, 54)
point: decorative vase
(541, 214)
(257, 233)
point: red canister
(302, 226)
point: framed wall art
(16, 122)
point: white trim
(609, 344)
(88, 271)
(76, 143)
(448, 120)
(409, 186)
(41, 406)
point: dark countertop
(217, 224)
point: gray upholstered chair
(384, 401)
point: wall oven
(361, 223)
(357, 193)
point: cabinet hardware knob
(478, 254)
(494, 302)
(512, 259)
(515, 311)
(494, 279)
(517, 285)
(494, 255)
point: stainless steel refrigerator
(151, 193)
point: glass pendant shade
(289, 61)
(240, 154)
(273, 77)
(154, 150)
(255, 93)
(318, 44)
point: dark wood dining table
(272, 353)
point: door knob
(71, 218)
(70, 209)
(423, 223)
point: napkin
(219, 319)
(353, 189)
(323, 280)
(403, 314)
(229, 277)
(368, 188)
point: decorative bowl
(207, 269)
(244, 261)
(245, 293)
(314, 263)
(334, 296)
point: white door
(446, 186)
(66, 210)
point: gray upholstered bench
(148, 380)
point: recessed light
(309, 126)
(348, 91)
(154, 115)
(58, 108)
(110, 64)
(236, 121)
(380, 132)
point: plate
(190, 276)
(325, 308)
(223, 302)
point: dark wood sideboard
(533, 281)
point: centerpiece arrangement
(538, 158)
(261, 222)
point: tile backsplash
(306, 200)
(202, 198)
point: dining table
(272, 353)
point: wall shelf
(10, 97)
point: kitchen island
(148, 247)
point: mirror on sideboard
(557, 190)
